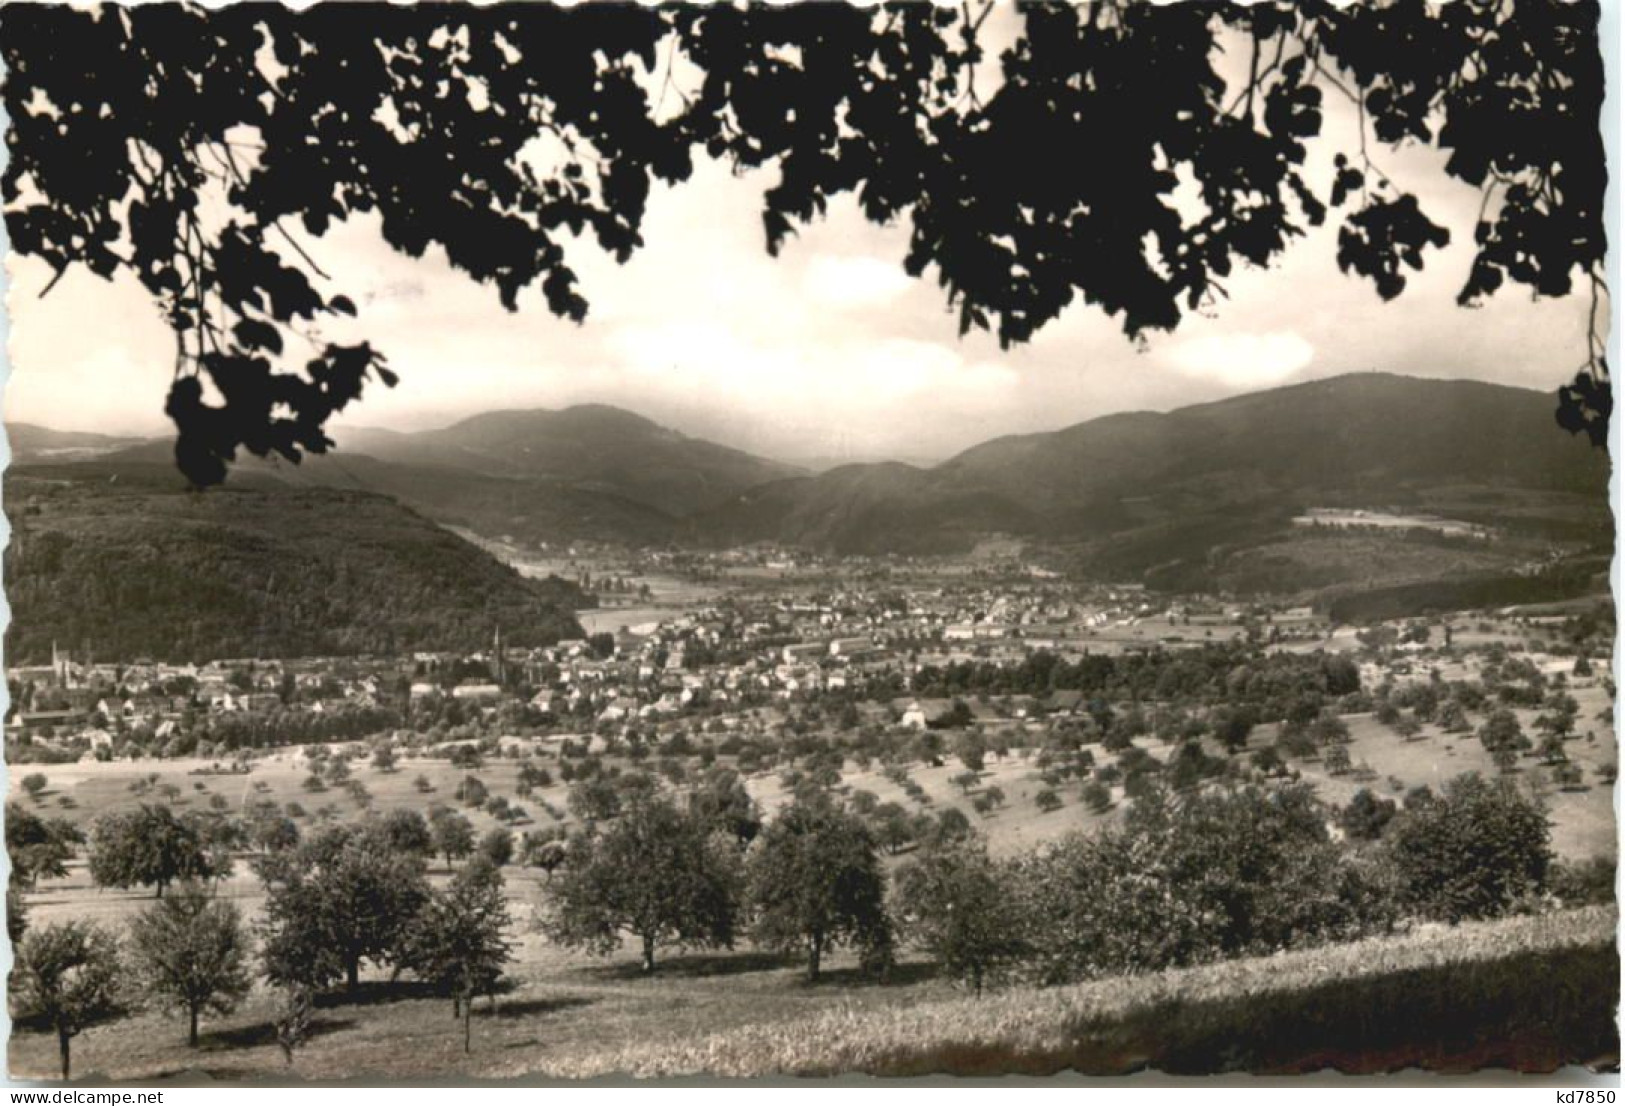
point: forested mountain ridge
(586, 473)
(1177, 498)
(532, 510)
(1212, 472)
(120, 561)
(593, 447)
(1352, 431)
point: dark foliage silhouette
(193, 150)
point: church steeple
(496, 650)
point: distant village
(773, 645)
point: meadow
(744, 1012)
(1530, 993)
(1582, 821)
(1520, 992)
(563, 1005)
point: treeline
(290, 572)
(226, 733)
(1236, 674)
(1567, 581)
(1187, 877)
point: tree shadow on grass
(534, 1007)
(379, 992)
(693, 967)
(900, 975)
(263, 1033)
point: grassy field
(1521, 992)
(747, 1013)
(94, 789)
(563, 1005)
(1583, 823)
(1529, 993)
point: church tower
(498, 665)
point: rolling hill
(531, 510)
(592, 473)
(31, 443)
(1200, 498)
(1368, 432)
(591, 447)
(1139, 490)
(121, 561)
(889, 507)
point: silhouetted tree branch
(171, 143)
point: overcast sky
(828, 352)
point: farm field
(745, 1012)
(612, 620)
(1583, 822)
(95, 789)
(1386, 520)
(562, 1004)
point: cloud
(830, 347)
(854, 281)
(1243, 360)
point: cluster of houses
(774, 644)
(84, 703)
